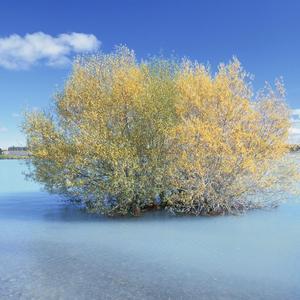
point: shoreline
(8, 157)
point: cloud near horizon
(295, 128)
(3, 129)
(22, 52)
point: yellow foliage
(127, 136)
(226, 143)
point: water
(49, 250)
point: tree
(124, 137)
(228, 147)
(106, 144)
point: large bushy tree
(125, 136)
(229, 145)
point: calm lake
(49, 250)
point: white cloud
(295, 114)
(22, 52)
(295, 128)
(3, 129)
(296, 111)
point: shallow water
(49, 250)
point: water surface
(49, 250)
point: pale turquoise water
(49, 250)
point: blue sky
(38, 40)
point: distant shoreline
(6, 156)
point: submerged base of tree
(181, 211)
(126, 137)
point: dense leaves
(125, 137)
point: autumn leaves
(130, 136)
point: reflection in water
(49, 250)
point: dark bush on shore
(294, 148)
